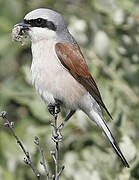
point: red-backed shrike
(59, 71)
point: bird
(60, 73)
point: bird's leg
(51, 109)
(57, 105)
(59, 129)
(54, 108)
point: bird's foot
(57, 105)
(54, 108)
(51, 109)
(57, 108)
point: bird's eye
(39, 22)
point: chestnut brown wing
(72, 59)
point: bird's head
(41, 24)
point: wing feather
(72, 59)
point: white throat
(37, 34)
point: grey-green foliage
(110, 28)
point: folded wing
(72, 59)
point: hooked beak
(24, 27)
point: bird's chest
(51, 79)
(45, 66)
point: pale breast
(51, 79)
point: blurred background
(106, 28)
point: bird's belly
(53, 81)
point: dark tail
(102, 124)
(116, 147)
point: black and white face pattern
(42, 23)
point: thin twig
(27, 160)
(56, 137)
(56, 140)
(42, 162)
(60, 172)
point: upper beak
(23, 26)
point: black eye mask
(40, 22)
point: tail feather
(116, 147)
(102, 124)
